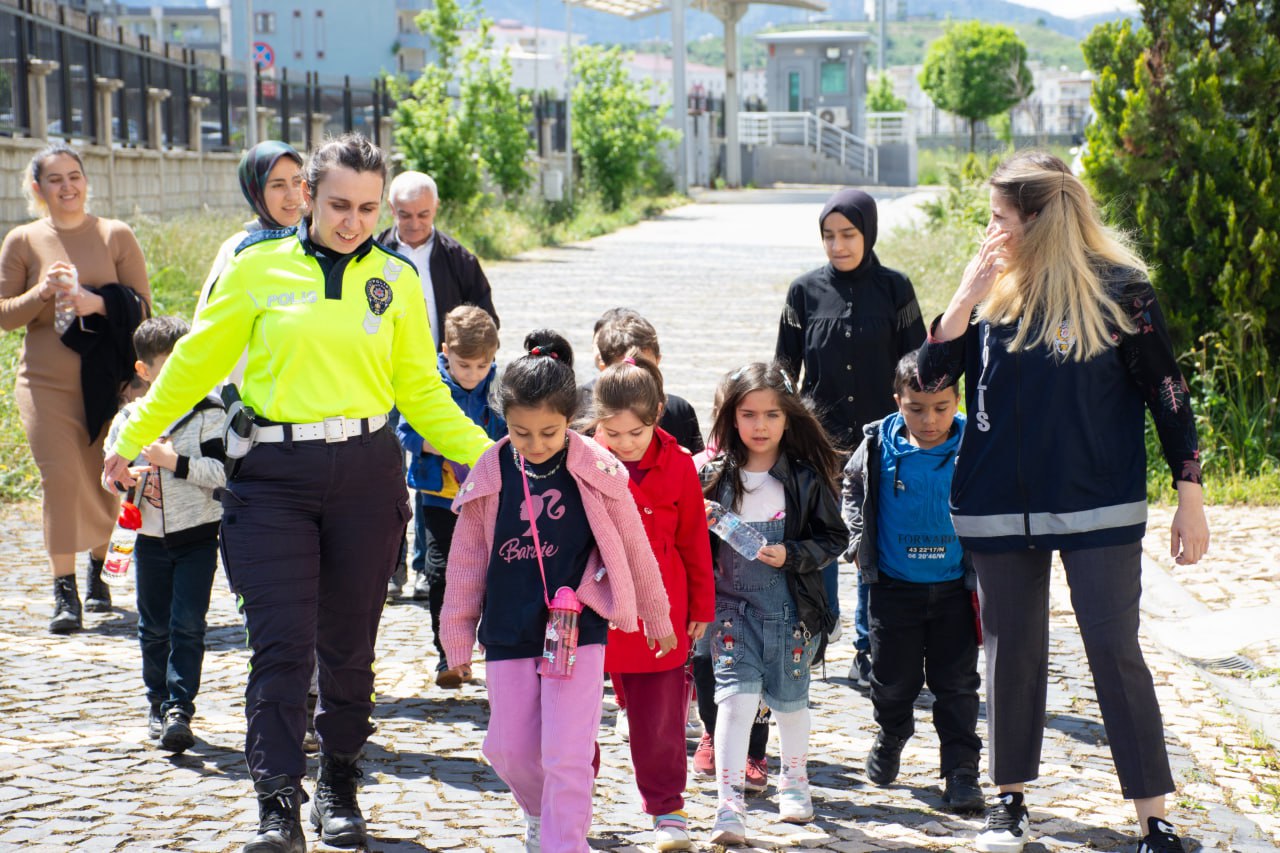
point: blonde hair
(31, 175)
(1053, 288)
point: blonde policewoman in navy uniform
(335, 325)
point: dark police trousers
(310, 536)
(925, 633)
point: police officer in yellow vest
(335, 327)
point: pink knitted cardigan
(621, 582)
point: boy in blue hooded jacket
(467, 368)
(896, 494)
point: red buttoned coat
(669, 497)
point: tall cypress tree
(1184, 151)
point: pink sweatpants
(542, 740)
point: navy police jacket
(1054, 455)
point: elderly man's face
(415, 217)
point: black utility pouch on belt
(237, 429)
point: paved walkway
(78, 773)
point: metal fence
(85, 52)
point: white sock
(733, 730)
(793, 731)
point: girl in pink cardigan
(543, 509)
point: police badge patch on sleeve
(378, 292)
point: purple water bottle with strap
(560, 645)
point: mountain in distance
(603, 28)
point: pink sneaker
(704, 757)
(757, 774)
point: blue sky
(1077, 8)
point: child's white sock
(733, 730)
(793, 731)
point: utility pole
(883, 47)
(568, 101)
(250, 81)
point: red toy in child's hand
(130, 516)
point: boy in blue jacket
(896, 494)
(467, 368)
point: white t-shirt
(763, 497)
(421, 258)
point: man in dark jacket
(451, 276)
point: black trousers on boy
(310, 536)
(925, 633)
(438, 523)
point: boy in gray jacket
(177, 547)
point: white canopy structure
(730, 12)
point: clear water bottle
(735, 532)
(64, 309)
(115, 569)
(560, 645)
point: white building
(1057, 105)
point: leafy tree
(1184, 149)
(881, 99)
(483, 129)
(976, 70)
(615, 128)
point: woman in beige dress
(68, 254)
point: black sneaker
(66, 606)
(962, 793)
(155, 722)
(177, 735)
(97, 595)
(884, 759)
(860, 672)
(1160, 838)
(1008, 826)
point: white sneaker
(731, 824)
(834, 634)
(1007, 826)
(621, 726)
(532, 834)
(795, 805)
(671, 832)
(693, 723)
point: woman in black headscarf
(271, 180)
(843, 329)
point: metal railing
(810, 131)
(890, 128)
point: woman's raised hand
(975, 284)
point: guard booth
(819, 71)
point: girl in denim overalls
(777, 470)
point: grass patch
(180, 249)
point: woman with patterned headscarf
(271, 180)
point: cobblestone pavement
(77, 771)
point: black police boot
(97, 595)
(279, 817)
(66, 606)
(334, 811)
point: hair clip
(786, 382)
(737, 374)
(540, 351)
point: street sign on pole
(264, 55)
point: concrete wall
(126, 182)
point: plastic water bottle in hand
(735, 532)
(64, 309)
(115, 570)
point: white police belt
(329, 430)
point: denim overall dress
(757, 643)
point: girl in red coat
(628, 400)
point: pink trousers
(542, 740)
